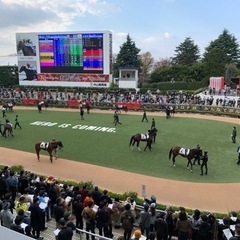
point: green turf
(112, 149)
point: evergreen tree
(228, 44)
(127, 56)
(187, 53)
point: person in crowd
(36, 217)
(144, 221)
(144, 117)
(89, 215)
(195, 221)
(110, 214)
(16, 226)
(21, 204)
(12, 184)
(3, 185)
(183, 226)
(6, 215)
(66, 233)
(234, 218)
(96, 195)
(17, 124)
(234, 134)
(137, 234)
(77, 210)
(102, 218)
(236, 233)
(152, 199)
(68, 218)
(204, 163)
(117, 210)
(161, 227)
(105, 196)
(88, 199)
(58, 210)
(153, 216)
(83, 192)
(127, 220)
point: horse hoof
(174, 165)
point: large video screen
(71, 53)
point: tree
(187, 53)
(215, 61)
(127, 56)
(228, 44)
(147, 64)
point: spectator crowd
(28, 201)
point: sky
(156, 26)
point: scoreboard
(76, 53)
(66, 57)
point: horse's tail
(131, 140)
(170, 153)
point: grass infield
(112, 149)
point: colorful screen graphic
(71, 53)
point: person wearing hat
(153, 199)
(6, 216)
(204, 163)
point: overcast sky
(157, 26)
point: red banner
(129, 105)
(30, 101)
(73, 77)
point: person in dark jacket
(161, 227)
(36, 217)
(77, 210)
(66, 233)
(102, 218)
(204, 163)
(144, 117)
(234, 135)
(58, 210)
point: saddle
(184, 151)
(44, 145)
(144, 136)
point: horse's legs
(139, 149)
(50, 154)
(173, 160)
(133, 145)
(37, 152)
(56, 153)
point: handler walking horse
(186, 153)
(49, 147)
(148, 138)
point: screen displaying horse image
(26, 48)
(29, 71)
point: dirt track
(208, 197)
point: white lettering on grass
(64, 125)
(44, 124)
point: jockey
(8, 122)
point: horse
(7, 128)
(148, 138)
(186, 153)
(27, 50)
(31, 74)
(49, 147)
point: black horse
(27, 50)
(7, 130)
(186, 153)
(148, 138)
(31, 74)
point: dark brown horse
(186, 153)
(148, 138)
(27, 50)
(7, 130)
(49, 147)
